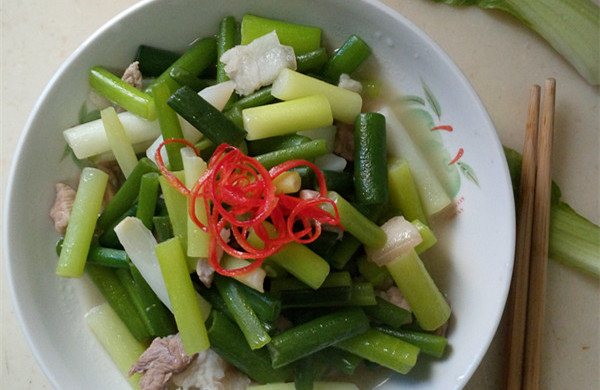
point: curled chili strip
(238, 195)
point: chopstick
(528, 288)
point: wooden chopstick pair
(528, 288)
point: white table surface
(499, 56)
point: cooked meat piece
(205, 272)
(133, 76)
(163, 358)
(344, 141)
(208, 371)
(63, 204)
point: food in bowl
(475, 280)
(267, 220)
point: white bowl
(472, 263)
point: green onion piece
(106, 257)
(119, 143)
(302, 38)
(305, 112)
(147, 198)
(152, 61)
(116, 339)
(182, 296)
(345, 104)
(177, 207)
(355, 223)
(227, 340)
(122, 93)
(347, 58)
(428, 343)
(200, 56)
(345, 250)
(126, 195)
(242, 312)
(205, 117)
(344, 361)
(197, 239)
(82, 223)
(428, 236)
(169, 124)
(161, 319)
(385, 312)
(403, 191)
(424, 298)
(316, 334)
(383, 349)
(115, 293)
(370, 159)
(227, 37)
(183, 77)
(375, 274)
(311, 61)
(270, 144)
(305, 151)
(297, 259)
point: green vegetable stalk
(571, 27)
(574, 240)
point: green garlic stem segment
(117, 295)
(297, 259)
(345, 104)
(306, 112)
(424, 298)
(119, 143)
(116, 339)
(347, 58)
(433, 196)
(304, 151)
(227, 37)
(89, 139)
(82, 223)
(199, 57)
(147, 198)
(244, 315)
(370, 159)
(301, 37)
(197, 239)
(228, 341)
(383, 349)
(430, 344)
(403, 191)
(169, 124)
(126, 195)
(188, 315)
(316, 334)
(122, 93)
(355, 223)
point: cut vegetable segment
(302, 38)
(426, 301)
(82, 223)
(89, 139)
(116, 339)
(307, 112)
(345, 104)
(432, 193)
(188, 315)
